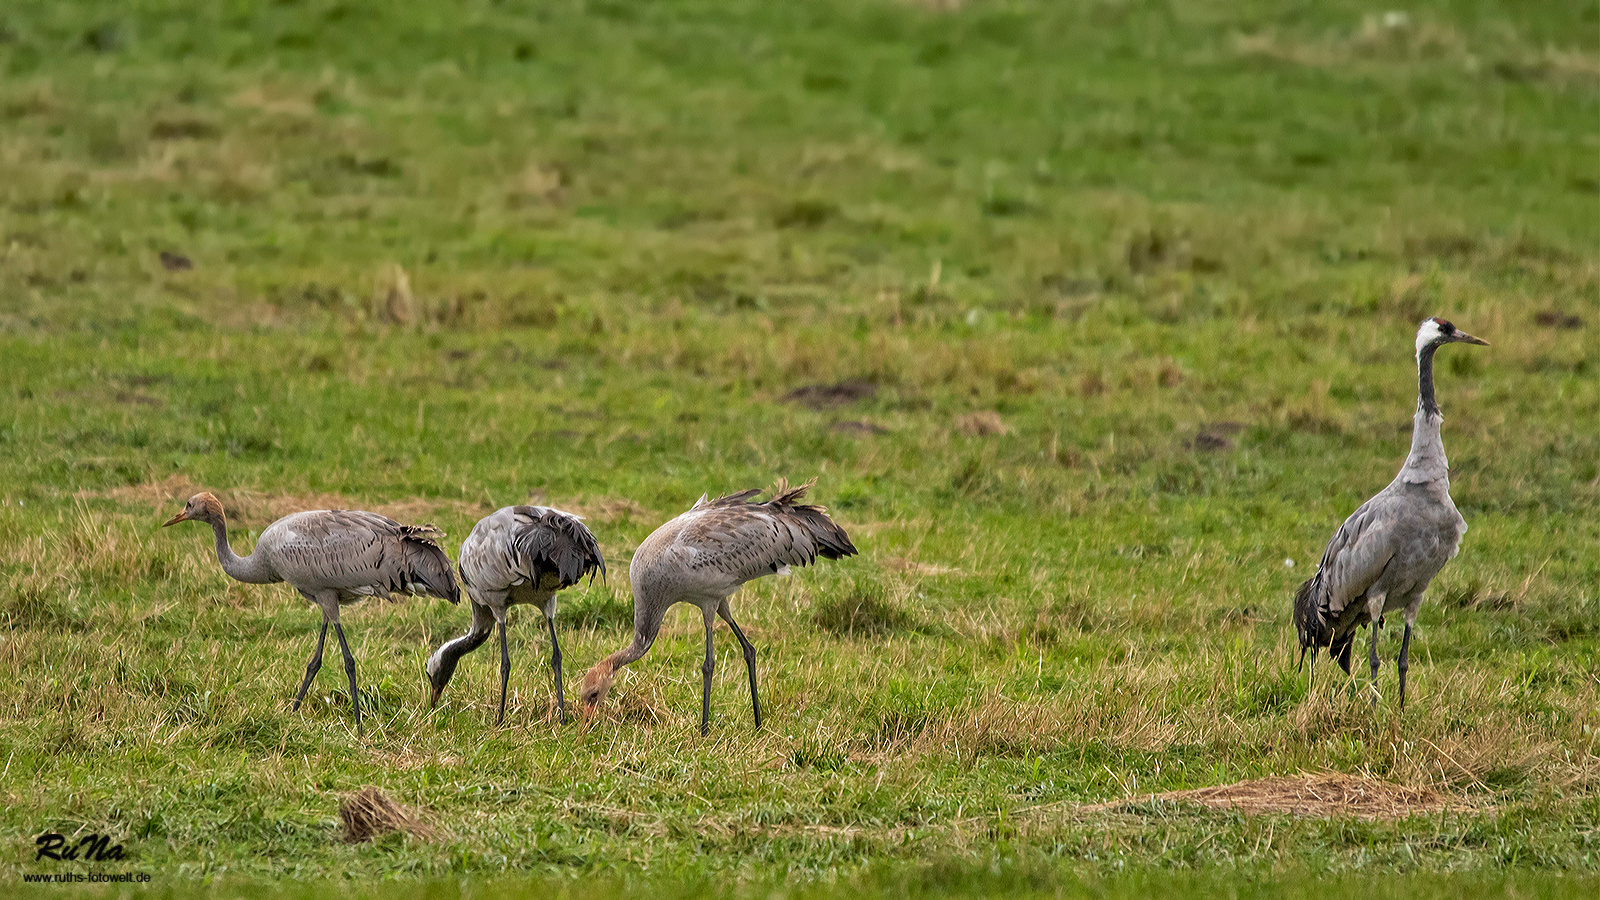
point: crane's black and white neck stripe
(1426, 462)
(1433, 334)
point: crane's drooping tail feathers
(560, 542)
(427, 567)
(832, 542)
(1308, 620)
(1314, 628)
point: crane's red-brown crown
(207, 503)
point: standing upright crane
(514, 555)
(702, 557)
(333, 557)
(1384, 556)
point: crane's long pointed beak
(1465, 338)
(434, 703)
(180, 517)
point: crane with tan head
(517, 555)
(1384, 556)
(701, 558)
(333, 557)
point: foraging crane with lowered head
(333, 557)
(1384, 556)
(702, 557)
(517, 555)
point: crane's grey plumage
(1384, 556)
(518, 554)
(332, 557)
(702, 557)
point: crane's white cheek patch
(1427, 334)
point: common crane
(333, 557)
(702, 557)
(515, 555)
(1383, 557)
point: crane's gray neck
(442, 665)
(250, 569)
(1426, 462)
(644, 634)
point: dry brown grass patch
(1326, 795)
(274, 99)
(607, 510)
(369, 813)
(902, 564)
(982, 424)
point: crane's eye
(1447, 328)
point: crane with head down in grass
(701, 558)
(333, 557)
(517, 555)
(1384, 556)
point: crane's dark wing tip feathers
(559, 542)
(832, 542)
(427, 563)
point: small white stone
(1288, 563)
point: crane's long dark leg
(706, 669)
(350, 670)
(1372, 659)
(505, 672)
(749, 657)
(314, 665)
(1405, 650)
(555, 663)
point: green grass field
(1088, 317)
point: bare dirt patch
(829, 396)
(1326, 795)
(1216, 436)
(1551, 318)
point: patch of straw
(1325, 795)
(369, 813)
